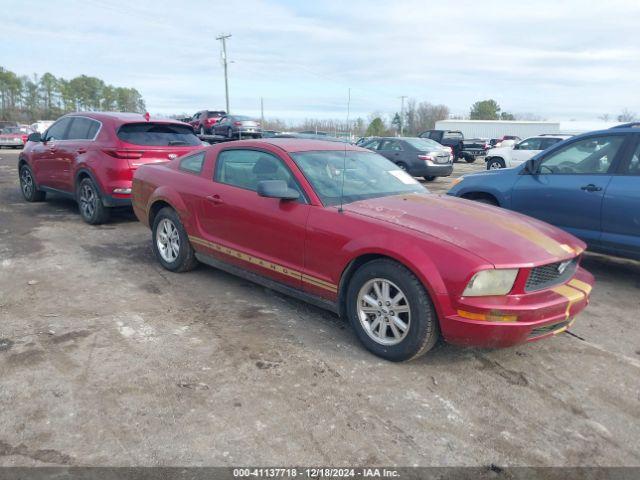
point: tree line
(30, 98)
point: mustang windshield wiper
(177, 142)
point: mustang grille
(552, 274)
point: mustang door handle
(82, 150)
(591, 188)
(215, 199)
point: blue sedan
(588, 185)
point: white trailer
(498, 128)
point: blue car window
(634, 164)
(587, 156)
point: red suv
(91, 158)
(203, 122)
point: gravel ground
(107, 359)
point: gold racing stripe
(580, 285)
(317, 282)
(571, 294)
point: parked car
(91, 157)
(7, 123)
(343, 228)
(511, 156)
(419, 157)
(203, 121)
(231, 126)
(467, 150)
(588, 185)
(504, 141)
(13, 137)
(270, 133)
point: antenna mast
(344, 160)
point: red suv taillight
(125, 154)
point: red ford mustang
(345, 229)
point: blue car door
(621, 207)
(566, 186)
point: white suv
(514, 155)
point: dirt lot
(106, 359)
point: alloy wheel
(383, 311)
(88, 200)
(494, 165)
(26, 181)
(168, 240)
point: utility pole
(402, 115)
(262, 112)
(223, 38)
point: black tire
(89, 199)
(495, 163)
(28, 185)
(486, 200)
(186, 259)
(430, 178)
(469, 158)
(423, 329)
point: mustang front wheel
(391, 311)
(171, 243)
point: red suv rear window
(157, 134)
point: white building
(498, 128)
(522, 129)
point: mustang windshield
(367, 175)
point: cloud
(556, 59)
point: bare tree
(428, 114)
(627, 116)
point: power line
(223, 38)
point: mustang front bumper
(526, 318)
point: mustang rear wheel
(28, 186)
(171, 243)
(391, 311)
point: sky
(560, 59)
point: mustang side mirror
(277, 189)
(34, 137)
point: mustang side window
(587, 156)
(193, 163)
(246, 168)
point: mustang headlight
(491, 282)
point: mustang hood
(501, 237)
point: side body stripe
(316, 282)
